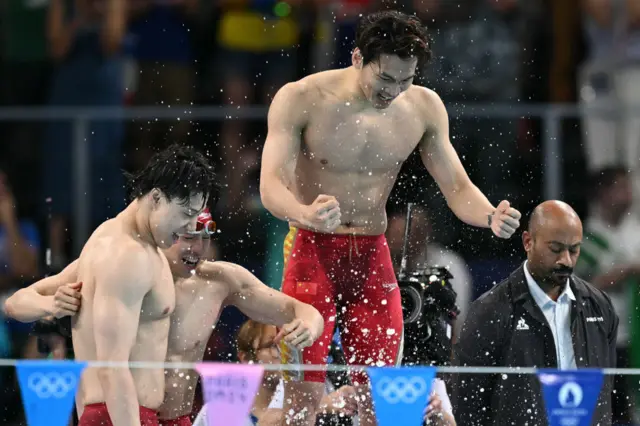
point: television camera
(428, 307)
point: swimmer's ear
(356, 59)
(156, 196)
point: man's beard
(558, 276)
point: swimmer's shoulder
(307, 91)
(296, 94)
(426, 100)
(118, 254)
(428, 106)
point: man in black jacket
(541, 316)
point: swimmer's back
(110, 256)
(347, 148)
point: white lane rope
(5, 362)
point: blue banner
(400, 395)
(570, 396)
(48, 390)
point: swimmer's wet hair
(179, 172)
(393, 33)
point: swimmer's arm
(464, 198)
(120, 289)
(264, 304)
(286, 121)
(35, 302)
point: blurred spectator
(610, 259)
(85, 40)
(610, 77)
(163, 48)
(422, 252)
(24, 81)
(566, 49)
(258, 47)
(19, 248)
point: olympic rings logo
(402, 389)
(51, 385)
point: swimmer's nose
(197, 247)
(395, 90)
(191, 226)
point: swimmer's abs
(149, 385)
(362, 199)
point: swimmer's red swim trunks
(180, 421)
(351, 277)
(97, 415)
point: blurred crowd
(177, 54)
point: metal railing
(551, 116)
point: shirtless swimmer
(335, 144)
(203, 289)
(128, 292)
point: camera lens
(411, 304)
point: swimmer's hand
(297, 334)
(342, 401)
(323, 215)
(505, 220)
(66, 300)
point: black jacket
(489, 338)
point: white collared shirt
(558, 315)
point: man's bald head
(553, 212)
(552, 242)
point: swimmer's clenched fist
(505, 220)
(322, 215)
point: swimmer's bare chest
(153, 327)
(198, 306)
(355, 156)
(158, 304)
